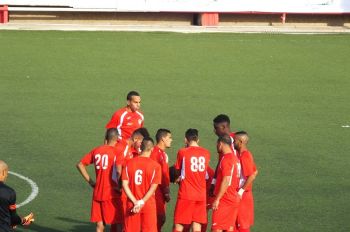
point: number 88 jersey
(103, 159)
(193, 163)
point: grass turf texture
(290, 92)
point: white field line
(33, 185)
(345, 126)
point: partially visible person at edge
(9, 218)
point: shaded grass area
(290, 92)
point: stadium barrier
(174, 12)
(4, 15)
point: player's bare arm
(150, 192)
(128, 192)
(82, 169)
(223, 187)
(249, 181)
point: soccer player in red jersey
(225, 205)
(104, 208)
(191, 167)
(245, 218)
(129, 118)
(210, 199)
(141, 177)
(164, 139)
(222, 127)
(126, 150)
(8, 215)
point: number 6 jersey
(141, 172)
(193, 163)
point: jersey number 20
(101, 161)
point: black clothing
(8, 215)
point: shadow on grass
(77, 226)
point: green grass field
(290, 92)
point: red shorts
(145, 221)
(120, 212)
(245, 218)
(224, 217)
(187, 211)
(105, 211)
(160, 202)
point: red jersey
(161, 157)
(126, 122)
(248, 168)
(103, 158)
(142, 172)
(124, 152)
(193, 162)
(228, 166)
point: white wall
(288, 6)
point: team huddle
(131, 188)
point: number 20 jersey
(193, 163)
(103, 159)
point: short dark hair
(191, 135)
(161, 133)
(239, 133)
(226, 139)
(141, 131)
(132, 94)
(111, 133)
(221, 118)
(147, 144)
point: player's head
(241, 140)
(137, 137)
(164, 136)
(3, 171)
(133, 100)
(111, 135)
(221, 125)
(191, 135)
(147, 144)
(223, 144)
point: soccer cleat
(27, 220)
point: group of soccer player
(132, 185)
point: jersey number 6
(138, 177)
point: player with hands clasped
(141, 177)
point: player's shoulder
(154, 164)
(246, 154)
(203, 150)
(140, 114)
(121, 111)
(5, 188)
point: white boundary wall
(253, 6)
